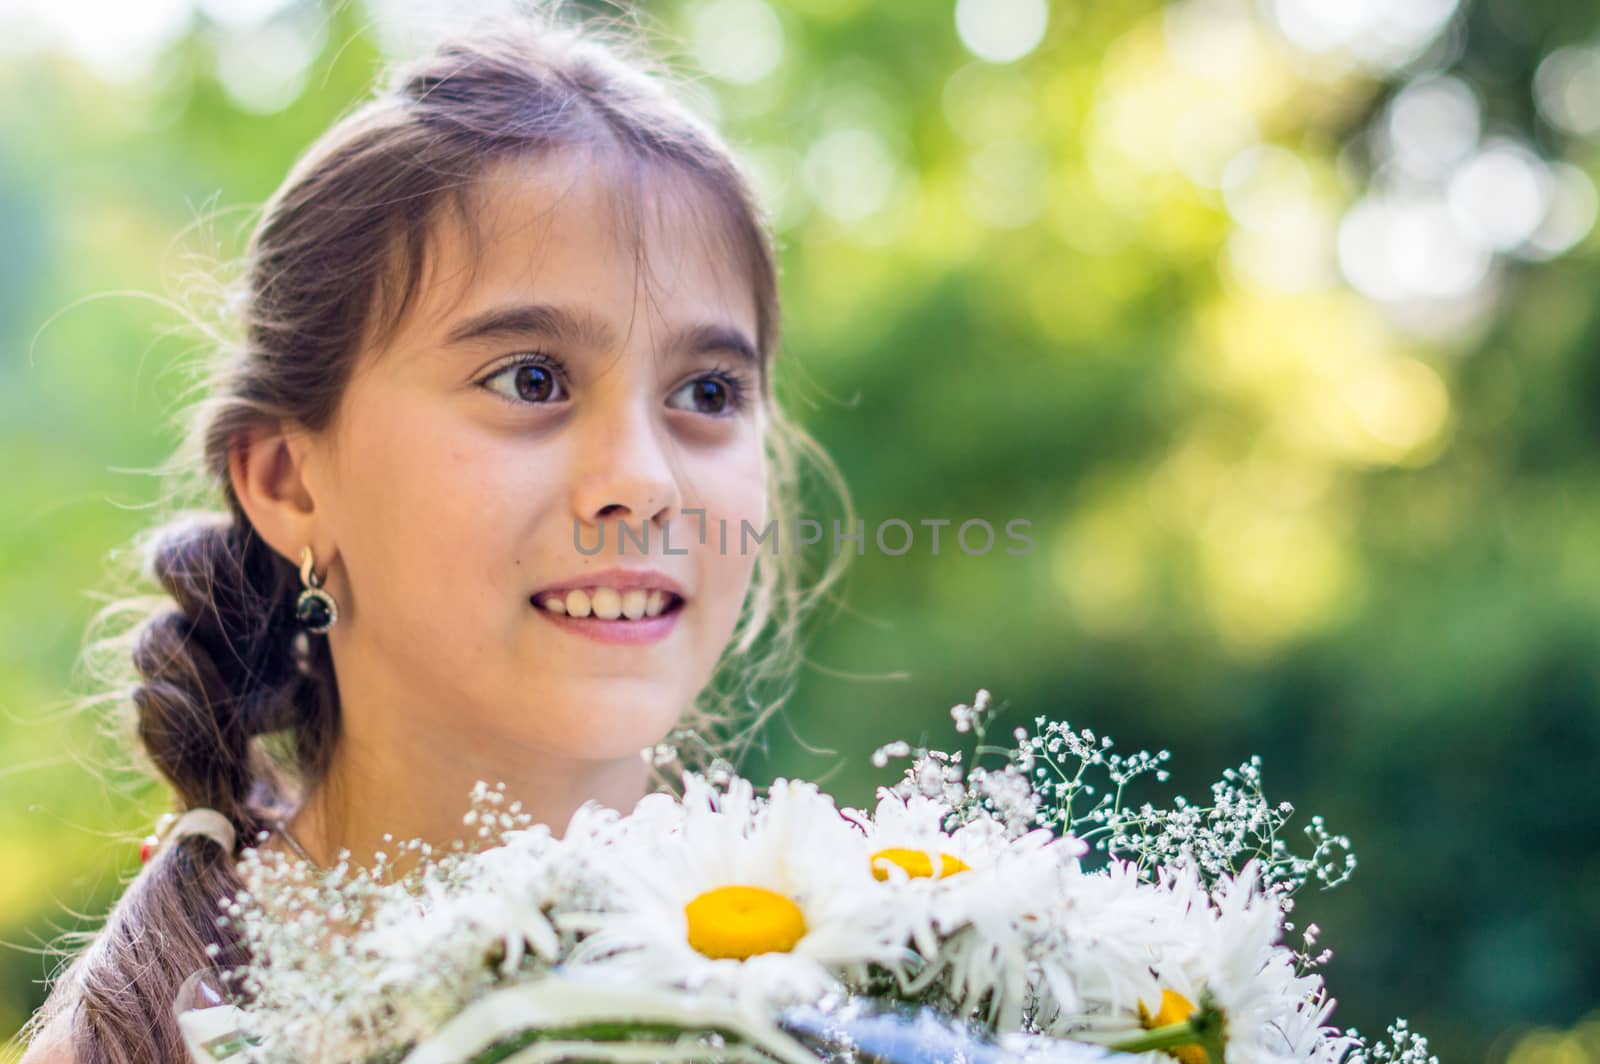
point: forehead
(585, 230)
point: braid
(217, 669)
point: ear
(272, 474)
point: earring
(315, 608)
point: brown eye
(534, 383)
(531, 382)
(715, 395)
(710, 395)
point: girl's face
(552, 380)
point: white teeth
(607, 603)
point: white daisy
(758, 901)
(1094, 942)
(1306, 1035)
(1236, 956)
(963, 898)
(1220, 948)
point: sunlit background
(1277, 320)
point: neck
(423, 791)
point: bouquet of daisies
(1009, 911)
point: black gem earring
(315, 608)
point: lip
(620, 579)
(620, 631)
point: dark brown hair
(230, 703)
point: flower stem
(1203, 1029)
(1171, 1036)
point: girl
(521, 303)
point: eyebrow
(525, 319)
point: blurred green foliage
(1268, 517)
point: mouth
(608, 603)
(607, 615)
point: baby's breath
(1404, 1046)
(1046, 779)
(352, 962)
(1239, 825)
(973, 718)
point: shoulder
(53, 1044)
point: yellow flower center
(1175, 1008)
(740, 922)
(915, 862)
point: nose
(629, 474)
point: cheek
(440, 518)
(488, 503)
(735, 495)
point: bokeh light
(737, 40)
(1567, 89)
(1432, 124)
(120, 42)
(1378, 33)
(1570, 215)
(849, 173)
(263, 68)
(242, 14)
(1500, 195)
(1001, 31)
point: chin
(607, 733)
